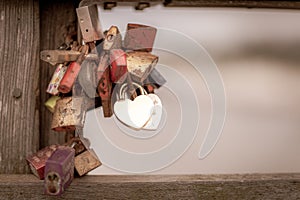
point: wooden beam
(19, 88)
(249, 186)
(233, 3)
(58, 18)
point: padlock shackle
(125, 85)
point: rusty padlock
(139, 37)
(113, 39)
(72, 72)
(38, 160)
(105, 85)
(140, 64)
(69, 113)
(118, 64)
(89, 23)
(86, 162)
(56, 79)
(59, 170)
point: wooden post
(58, 19)
(19, 88)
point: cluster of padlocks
(85, 77)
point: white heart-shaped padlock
(155, 119)
(136, 113)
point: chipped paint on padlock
(140, 64)
(37, 161)
(56, 79)
(113, 39)
(69, 113)
(72, 72)
(139, 37)
(118, 68)
(59, 170)
(89, 23)
(86, 162)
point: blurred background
(257, 52)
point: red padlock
(72, 72)
(38, 160)
(118, 65)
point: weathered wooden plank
(19, 89)
(250, 186)
(58, 19)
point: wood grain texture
(249, 186)
(58, 18)
(19, 89)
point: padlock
(86, 162)
(51, 102)
(69, 113)
(113, 39)
(139, 37)
(78, 144)
(38, 160)
(92, 103)
(134, 114)
(149, 88)
(72, 72)
(56, 79)
(87, 78)
(105, 85)
(118, 68)
(59, 170)
(89, 23)
(140, 64)
(155, 78)
(59, 56)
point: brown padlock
(86, 162)
(69, 113)
(140, 64)
(113, 39)
(139, 37)
(105, 85)
(89, 23)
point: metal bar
(202, 3)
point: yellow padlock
(51, 102)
